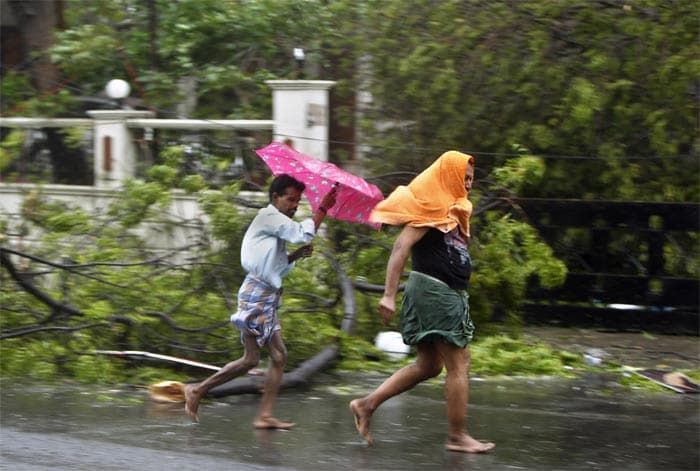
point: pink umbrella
(355, 197)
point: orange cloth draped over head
(435, 198)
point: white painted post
(115, 154)
(300, 112)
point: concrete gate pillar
(300, 113)
(115, 153)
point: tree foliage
(227, 48)
(607, 90)
(604, 92)
(602, 80)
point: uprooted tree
(74, 283)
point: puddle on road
(536, 424)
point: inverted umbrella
(355, 198)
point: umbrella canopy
(355, 198)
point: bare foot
(467, 444)
(192, 403)
(361, 419)
(272, 423)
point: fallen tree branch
(57, 307)
(302, 375)
(69, 268)
(299, 377)
(51, 328)
(170, 323)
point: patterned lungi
(258, 303)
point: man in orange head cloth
(434, 212)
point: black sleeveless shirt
(443, 256)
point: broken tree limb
(297, 378)
(302, 375)
(57, 307)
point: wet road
(537, 425)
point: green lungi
(433, 312)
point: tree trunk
(300, 377)
(37, 20)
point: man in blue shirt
(265, 259)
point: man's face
(287, 202)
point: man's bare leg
(457, 362)
(428, 364)
(195, 392)
(192, 398)
(273, 378)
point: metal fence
(632, 265)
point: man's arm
(399, 254)
(326, 203)
(302, 252)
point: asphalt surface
(537, 423)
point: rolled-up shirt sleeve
(296, 232)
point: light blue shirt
(264, 247)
